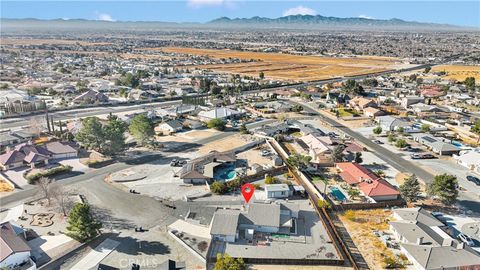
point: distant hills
(319, 20)
(301, 22)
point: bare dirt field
(226, 144)
(25, 41)
(291, 67)
(459, 73)
(360, 225)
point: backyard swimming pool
(225, 172)
(338, 194)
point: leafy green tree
(391, 137)
(476, 129)
(91, 135)
(353, 193)
(358, 157)
(81, 225)
(228, 263)
(470, 83)
(445, 187)
(401, 143)
(427, 69)
(218, 188)
(217, 124)
(299, 161)
(400, 130)
(323, 204)
(377, 130)
(297, 108)
(243, 129)
(270, 180)
(352, 86)
(141, 128)
(337, 153)
(425, 127)
(410, 189)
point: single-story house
(91, 96)
(218, 113)
(360, 103)
(60, 150)
(14, 251)
(202, 169)
(228, 224)
(427, 245)
(469, 160)
(316, 148)
(278, 191)
(373, 112)
(369, 184)
(169, 127)
(437, 145)
(390, 123)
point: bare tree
(62, 198)
(36, 125)
(45, 188)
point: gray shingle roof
(225, 222)
(443, 257)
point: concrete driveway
(16, 176)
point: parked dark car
(377, 141)
(473, 179)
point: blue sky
(452, 12)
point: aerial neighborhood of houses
(123, 151)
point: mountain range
(320, 20)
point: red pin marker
(247, 191)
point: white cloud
(104, 17)
(365, 17)
(205, 3)
(300, 10)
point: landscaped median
(33, 177)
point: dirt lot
(361, 230)
(12, 41)
(459, 73)
(226, 144)
(4, 186)
(290, 67)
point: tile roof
(354, 173)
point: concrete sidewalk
(95, 256)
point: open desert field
(25, 41)
(459, 73)
(291, 67)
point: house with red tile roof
(369, 184)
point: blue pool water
(457, 144)
(337, 194)
(225, 172)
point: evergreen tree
(141, 128)
(410, 189)
(81, 225)
(358, 157)
(445, 187)
(91, 135)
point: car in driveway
(473, 179)
(422, 156)
(466, 239)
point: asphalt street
(466, 200)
